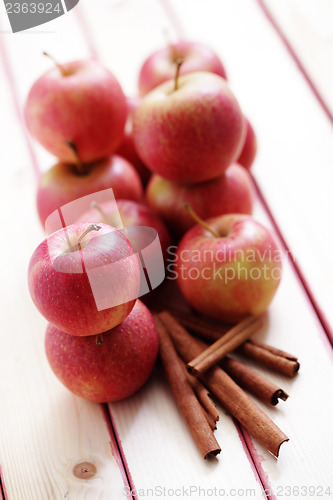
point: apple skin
(232, 192)
(110, 371)
(127, 148)
(249, 150)
(192, 134)
(60, 288)
(159, 67)
(62, 183)
(87, 107)
(207, 280)
(132, 214)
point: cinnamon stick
(227, 343)
(228, 393)
(210, 420)
(279, 361)
(176, 376)
(275, 359)
(204, 397)
(253, 381)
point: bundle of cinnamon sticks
(196, 370)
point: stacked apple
(101, 342)
(190, 131)
(78, 111)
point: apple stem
(71, 249)
(198, 220)
(99, 339)
(81, 170)
(92, 227)
(179, 62)
(58, 65)
(98, 207)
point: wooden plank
(44, 430)
(138, 425)
(307, 29)
(294, 163)
(152, 432)
(265, 94)
(62, 38)
(305, 419)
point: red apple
(81, 102)
(232, 192)
(64, 183)
(160, 66)
(231, 273)
(249, 150)
(127, 148)
(131, 214)
(191, 134)
(84, 280)
(109, 371)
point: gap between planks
(254, 460)
(293, 54)
(124, 465)
(3, 495)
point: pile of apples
(186, 139)
(190, 132)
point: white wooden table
(278, 54)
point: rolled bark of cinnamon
(210, 420)
(253, 381)
(194, 414)
(236, 336)
(275, 359)
(204, 397)
(228, 393)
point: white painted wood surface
(44, 430)
(307, 26)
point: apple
(249, 150)
(66, 182)
(189, 130)
(107, 371)
(84, 278)
(127, 148)
(232, 192)
(159, 66)
(79, 101)
(131, 214)
(228, 267)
